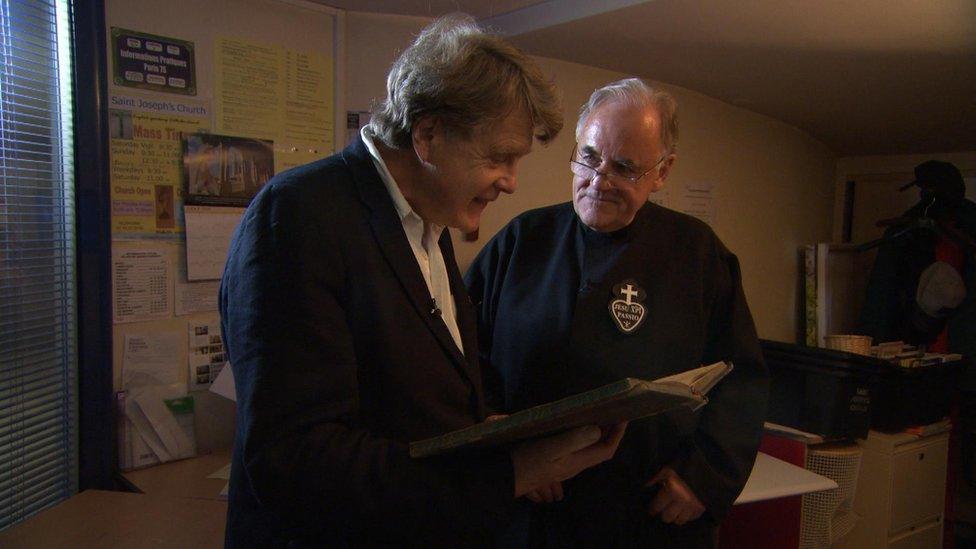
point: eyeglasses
(586, 171)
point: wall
(772, 182)
(892, 172)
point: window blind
(38, 359)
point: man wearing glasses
(573, 296)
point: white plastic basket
(828, 516)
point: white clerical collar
(399, 201)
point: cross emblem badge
(626, 309)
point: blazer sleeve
(719, 458)
(307, 457)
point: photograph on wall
(154, 63)
(220, 170)
(205, 356)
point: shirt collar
(399, 201)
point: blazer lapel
(466, 319)
(392, 241)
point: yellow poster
(146, 172)
(269, 92)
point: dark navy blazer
(339, 363)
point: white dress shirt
(423, 237)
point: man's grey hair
(638, 93)
(468, 79)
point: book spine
(810, 294)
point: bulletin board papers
(157, 420)
(355, 120)
(146, 172)
(153, 62)
(205, 355)
(270, 92)
(183, 106)
(151, 359)
(696, 199)
(208, 234)
(196, 297)
(141, 282)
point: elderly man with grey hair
(546, 288)
(349, 330)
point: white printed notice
(208, 233)
(696, 199)
(151, 359)
(196, 297)
(141, 285)
(205, 354)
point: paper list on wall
(140, 285)
(196, 297)
(248, 95)
(307, 83)
(151, 359)
(269, 92)
(697, 200)
(208, 234)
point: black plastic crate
(841, 395)
(820, 391)
(914, 396)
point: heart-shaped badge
(626, 309)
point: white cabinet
(900, 494)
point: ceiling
(866, 77)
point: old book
(624, 400)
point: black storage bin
(841, 395)
(820, 391)
(913, 396)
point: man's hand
(675, 501)
(540, 463)
(547, 494)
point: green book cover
(623, 400)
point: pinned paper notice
(208, 234)
(151, 359)
(196, 297)
(697, 199)
(141, 285)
